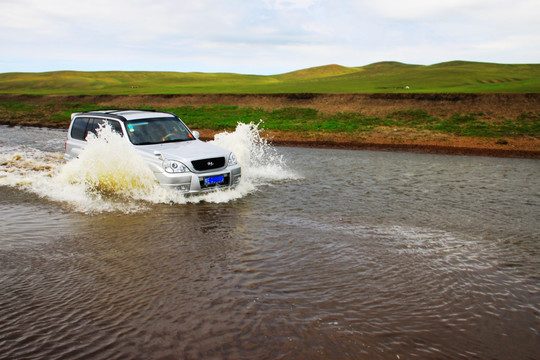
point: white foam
(109, 175)
(259, 160)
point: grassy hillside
(383, 77)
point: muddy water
(320, 254)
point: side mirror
(196, 134)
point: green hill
(382, 77)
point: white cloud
(427, 10)
(289, 4)
(260, 36)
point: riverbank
(431, 143)
(403, 133)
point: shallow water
(320, 254)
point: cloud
(260, 36)
(289, 4)
(421, 10)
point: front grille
(208, 164)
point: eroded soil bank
(491, 107)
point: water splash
(109, 166)
(110, 175)
(259, 160)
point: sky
(263, 37)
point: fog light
(182, 188)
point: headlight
(172, 166)
(232, 159)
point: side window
(82, 126)
(116, 127)
(93, 125)
(78, 130)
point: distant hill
(318, 72)
(381, 77)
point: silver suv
(173, 152)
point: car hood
(185, 151)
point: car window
(82, 126)
(94, 125)
(116, 127)
(78, 129)
(157, 131)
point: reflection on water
(361, 255)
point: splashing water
(259, 160)
(110, 175)
(109, 166)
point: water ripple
(416, 256)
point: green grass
(310, 120)
(383, 77)
(292, 119)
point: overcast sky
(261, 36)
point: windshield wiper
(175, 140)
(147, 143)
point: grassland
(489, 124)
(455, 107)
(384, 77)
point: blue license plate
(214, 180)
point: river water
(319, 254)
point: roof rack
(115, 112)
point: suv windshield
(157, 131)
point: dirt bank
(491, 107)
(429, 143)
